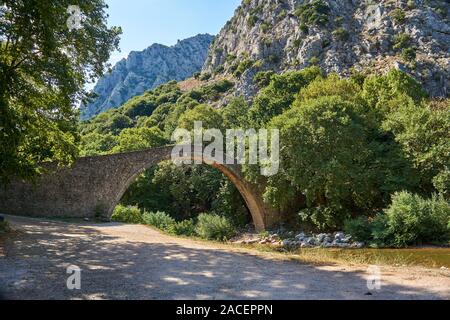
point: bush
(205, 76)
(262, 78)
(159, 220)
(409, 54)
(313, 13)
(323, 218)
(410, 220)
(341, 34)
(129, 214)
(182, 228)
(413, 220)
(401, 41)
(252, 20)
(214, 227)
(359, 228)
(243, 66)
(380, 231)
(398, 15)
(314, 61)
(304, 28)
(4, 226)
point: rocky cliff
(339, 35)
(146, 70)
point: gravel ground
(136, 262)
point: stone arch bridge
(93, 186)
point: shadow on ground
(113, 268)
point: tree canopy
(44, 66)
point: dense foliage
(214, 227)
(347, 146)
(206, 226)
(43, 69)
(409, 220)
(127, 214)
(158, 219)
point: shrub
(401, 41)
(251, 21)
(411, 4)
(243, 66)
(323, 218)
(220, 86)
(408, 54)
(314, 61)
(4, 226)
(359, 228)
(182, 228)
(159, 220)
(127, 214)
(341, 34)
(205, 76)
(219, 69)
(214, 227)
(380, 231)
(265, 27)
(262, 78)
(398, 15)
(313, 13)
(304, 28)
(273, 59)
(412, 220)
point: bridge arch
(93, 186)
(232, 172)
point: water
(427, 257)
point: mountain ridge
(339, 36)
(145, 70)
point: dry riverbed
(136, 262)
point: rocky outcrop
(340, 36)
(146, 70)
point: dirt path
(136, 262)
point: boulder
(301, 236)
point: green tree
(43, 69)
(424, 135)
(135, 139)
(328, 154)
(191, 188)
(332, 85)
(209, 116)
(97, 144)
(234, 114)
(380, 91)
(279, 94)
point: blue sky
(145, 22)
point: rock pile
(325, 240)
(302, 240)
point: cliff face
(146, 70)
(338, 35)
